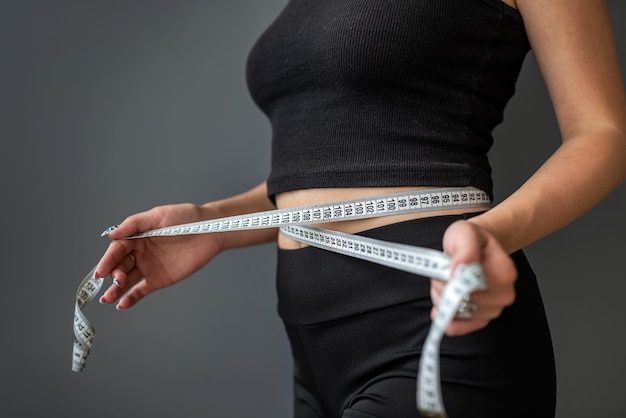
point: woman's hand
(138, 267)
(466, 243)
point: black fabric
(336, 289)
(385, 93)
(360, 360)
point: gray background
(112, 107)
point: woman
(371, 97)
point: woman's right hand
(138, 267)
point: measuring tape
(294, 223)
(83, 330)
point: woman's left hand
(466, 242)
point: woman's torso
(303, 192)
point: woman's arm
(575, 49)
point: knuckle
(507, 298)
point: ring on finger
(466, 308)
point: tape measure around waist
(294, 223)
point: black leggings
(356, 330)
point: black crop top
(365, 93)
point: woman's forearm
(254, 200)
(583, 78)
(582, 172)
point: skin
(573, 44)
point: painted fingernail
(102, 299)
(109, 230)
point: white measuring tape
(293, 222)
(83, 330)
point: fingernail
(109, 230)
(102, 299)
(118, 307)
(116, 283)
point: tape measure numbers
(386, 205)
(294, 223)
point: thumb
(464, 243)
(132, 225)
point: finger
(115, 291)
(464, 243)
(480, 317)
(486, 309)
(135, 294)
(497, 297)
(114, 256)
(460, 327)
(120, 272)
(500, 270)
(483, 312)
(139, 222)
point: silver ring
(466, 308)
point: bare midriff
(512, 3)
(305, 197)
